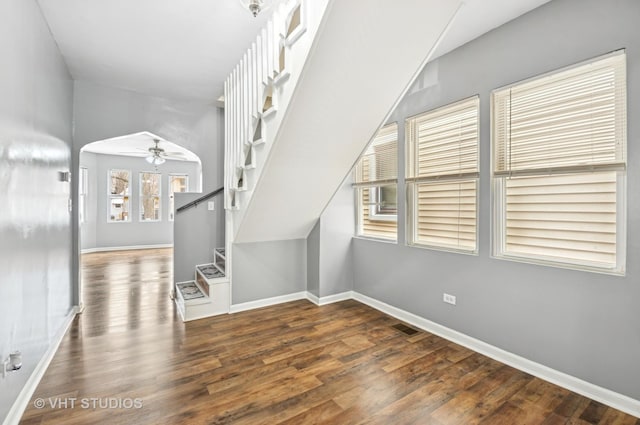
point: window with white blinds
(442, 177)
(559, 167)
(375, 181)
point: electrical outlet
(449, 299)
(211, 206)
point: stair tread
(190, 290)
(210, 271)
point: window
(119, 186)
(559, 161)
(82, 195)
(177, 183)
(376, 181)
(442, 177)
(150, 196)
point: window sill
(556, 264)
(473, 253)
(374, 239)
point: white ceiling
(138, 144)
(170, 48)
(186, 48)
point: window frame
(171, 194)
(414, 181)
(375, 209)
(499, 189)
(374, 186)
(142, 197)
(111, 196)
(83, 191)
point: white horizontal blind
(376, 169)
(559, 154)
(446, 214)
(569, 216)
(445, 141)
(443, 174)
(575, 117)
(380, 161)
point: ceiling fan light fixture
(256, 6)
(154, 157)
(155, 160)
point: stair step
(191, 293)
(194, 302)
(221, 252)
(210, 271)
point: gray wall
(321, 264)
(133, 233)
(583, 324)
(313, 260)
(190, 248)
(268, 269)
(337, 225)
(35, 231)
(103, 112)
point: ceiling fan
(155, 155)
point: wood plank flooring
(128, 359)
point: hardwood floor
(128, 359)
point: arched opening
(126, 188)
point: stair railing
(195, 202)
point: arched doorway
(126, 187)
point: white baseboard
(311, 297)
(125, 248)
(21, 403)
(251, 305)
(595, 392)
(329, 299)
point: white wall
(35, 229)
(104, 234)
(88, 228)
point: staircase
(306, 99)
(208, 293)
(257, 94)
(300, 107)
